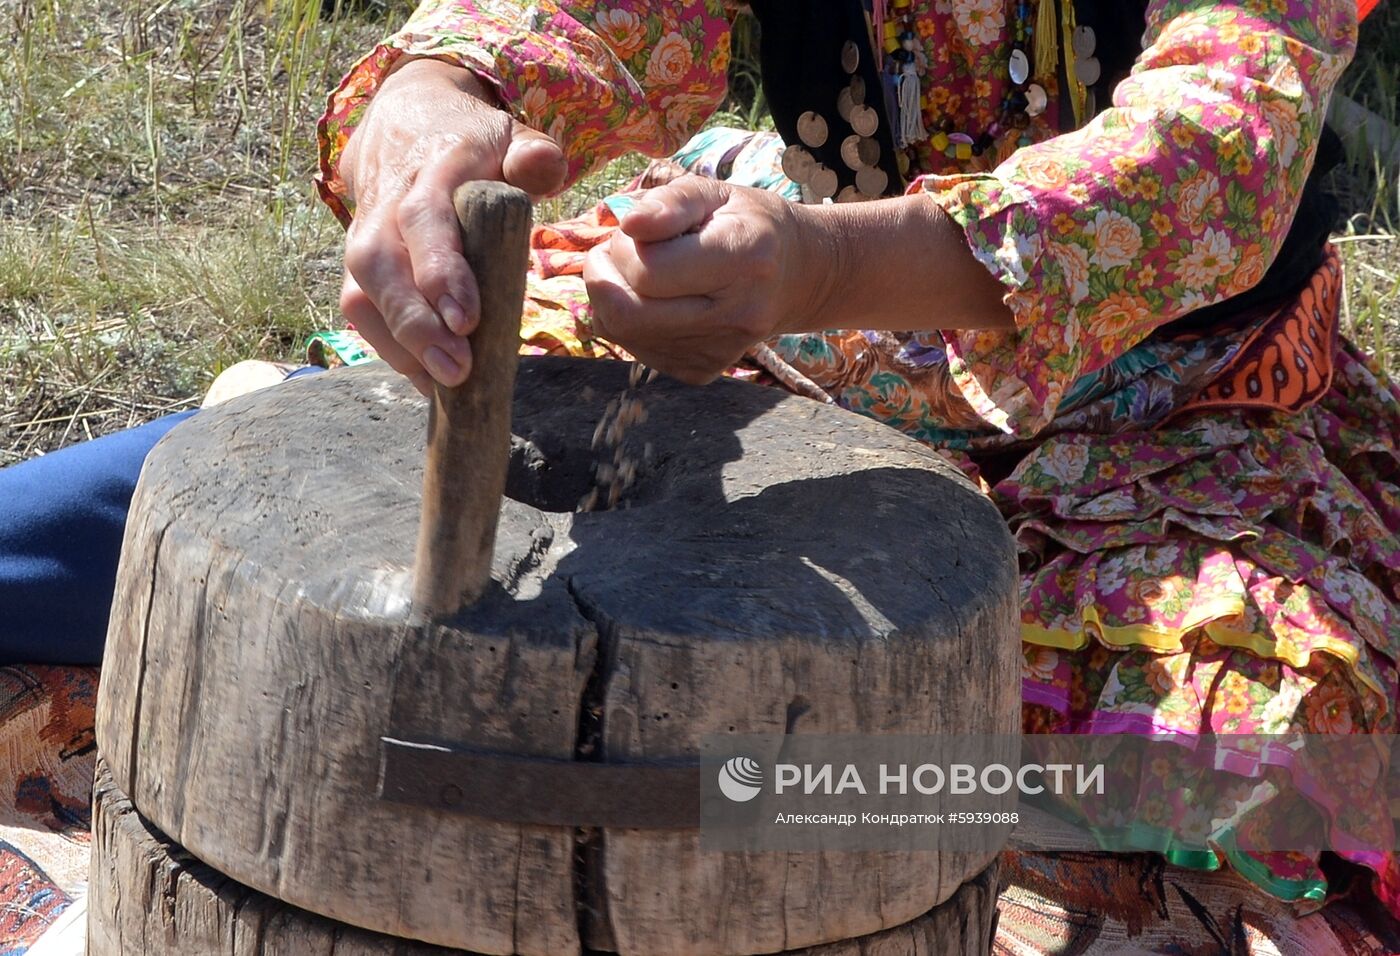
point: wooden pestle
(469, 426)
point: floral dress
(1206, 520)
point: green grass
(157, 221)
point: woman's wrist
(416, 70)
(897, 264)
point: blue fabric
(61, 523)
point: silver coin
(872, 181)
(798, 164)
(1020, 67)
(823, 182)
(811, 129)
(850, 152)
(850, 57)
(1036, 99)
(869, 151)
(1087, 71)
(1083, 42)
(865, 120)
(857, 90)
(845, 102)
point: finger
(360, 312)
(611, 300)
(379, 262)
(674, 209)
(427, 220)
(533, 162)
(673, 335)
(700, 263)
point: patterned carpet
(1069, 904)
(46, 752)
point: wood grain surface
(149, 896)
(779, 567)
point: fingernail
(453, 314)
(648, 206)
(440, 365)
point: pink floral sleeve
(1175, 198)
(602, 78)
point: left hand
(700, 271)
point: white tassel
(911, 120)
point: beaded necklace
(1034, 57)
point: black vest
(800, 53)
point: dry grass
(1370, 190)
(157, 221)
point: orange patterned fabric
(47, 751)
(1287, 365)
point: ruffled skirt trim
(1236, 574)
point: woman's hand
(700, 271)
(431, 127)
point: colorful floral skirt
(1208, 537)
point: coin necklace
(859, 151)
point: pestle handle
(469, 426)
